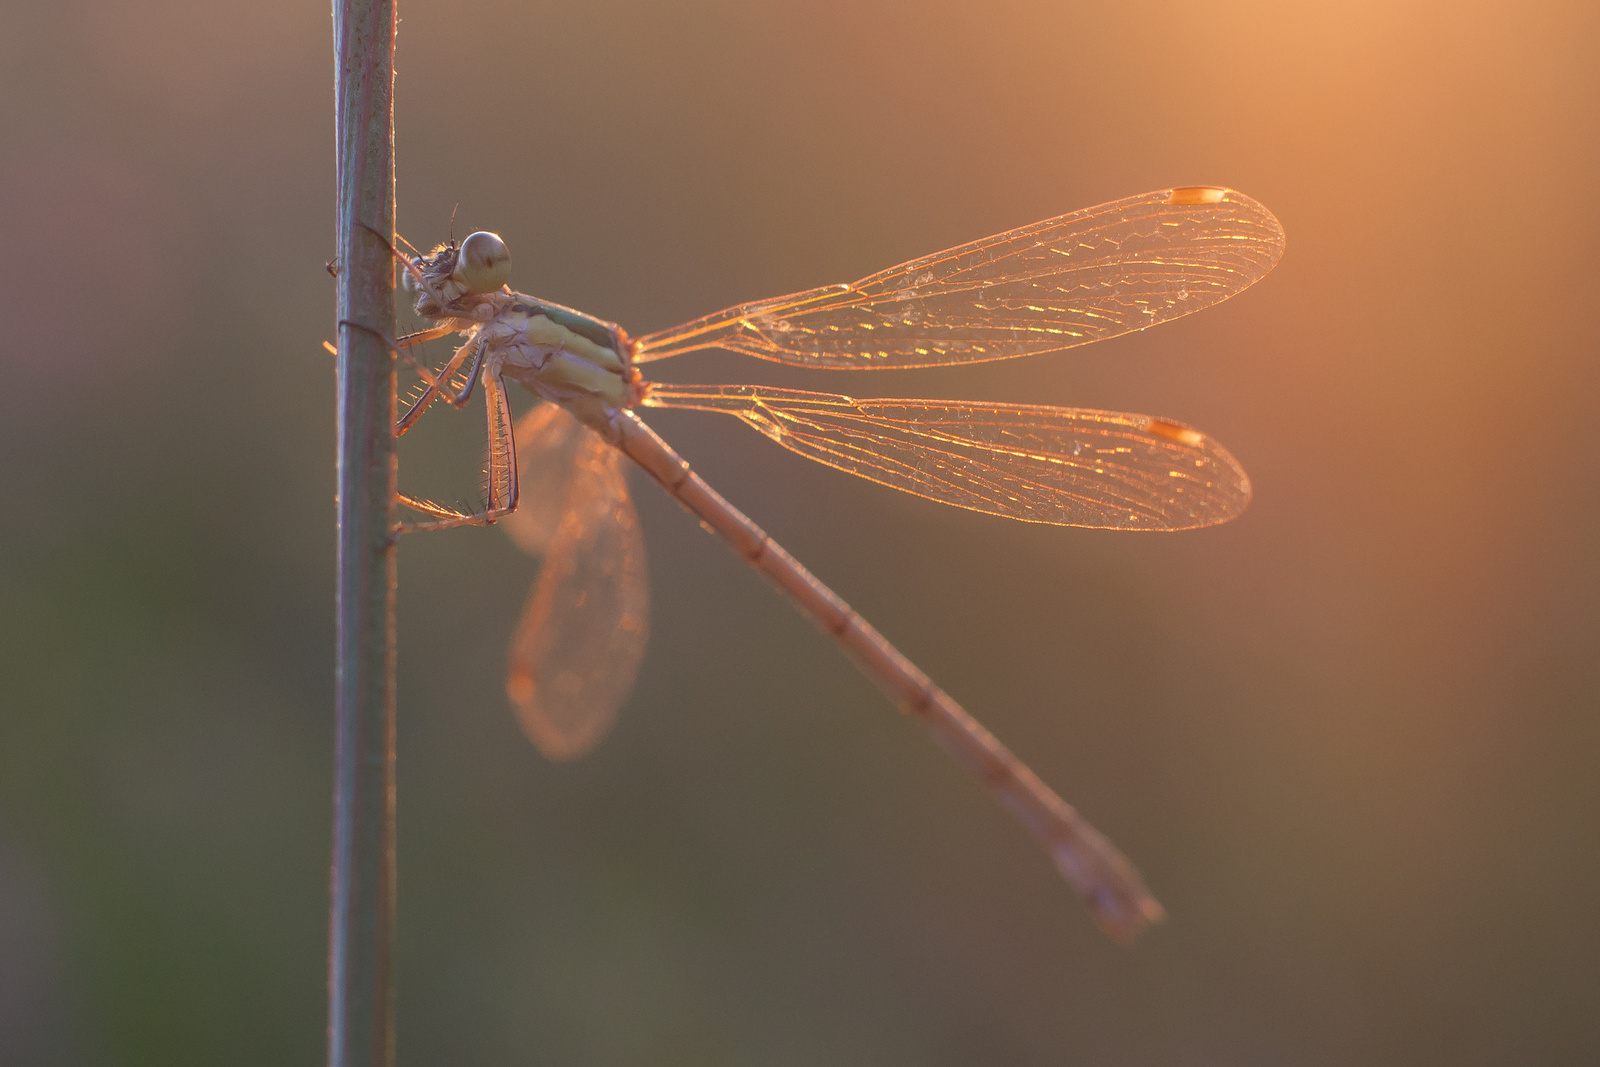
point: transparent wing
(1093, 274)
(576, 651)
(1068, 466)
(553, 450)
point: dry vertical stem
(361, 918)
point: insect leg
(437, 384)
(503, 488)
(398, 348)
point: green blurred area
(1350, 739)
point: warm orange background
(1351, 739)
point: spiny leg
(503, 487)
(502, 445)
(436, 386)
(401, 343)
(431, 334)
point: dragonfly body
(1066, 281)
(590, 379)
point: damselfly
(557, 476)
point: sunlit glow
(1077, 278)
(1199, 194)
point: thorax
(561, 355)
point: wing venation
(1066, 466)
(1066, 281)
(576, 652)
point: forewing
(576, 651)
(1067, 281)
(1067, 466)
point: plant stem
(361, 914)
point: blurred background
(1350, 739)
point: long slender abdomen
(1115, 893)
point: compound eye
(483, 264)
